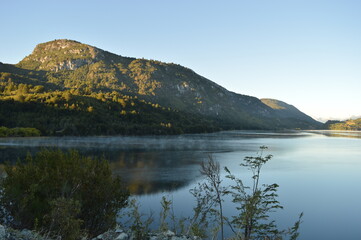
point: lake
(319, 172)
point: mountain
(291, 114)
(351, 124)
(118, 94)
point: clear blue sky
(304, 52)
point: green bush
(45, 191)
(19, 132)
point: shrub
(54, 187)
(62, 220)
(253, 204)
(19, 132)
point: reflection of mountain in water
(147, 164)
(338, 133)
(144, 172)
(154, 171)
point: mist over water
(318, 172)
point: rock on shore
(119, 234)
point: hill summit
(173, 98)
(60, 55)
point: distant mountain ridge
(67, 65)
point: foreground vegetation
(62, 193)
(69, 196)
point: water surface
(318, 172)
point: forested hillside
(74, 112)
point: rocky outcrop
(71, 64)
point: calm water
(319, 173)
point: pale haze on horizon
(305, 53)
